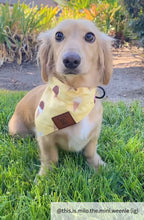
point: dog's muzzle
(71, 60)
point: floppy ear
(105, 59)
(45, 54)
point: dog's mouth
(71, 71)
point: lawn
(120, 145)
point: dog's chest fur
(76, 137)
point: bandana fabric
(62, 106)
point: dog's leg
(48, 152)
(92, 156)
(17, 126)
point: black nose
(71, 60)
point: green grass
(120, 145)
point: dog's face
(77, 53)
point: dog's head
(77, 53)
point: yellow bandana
(62, 106)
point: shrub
(109, 15)
(19, 28)
(136, 11)
(20, 25)
(78, 5)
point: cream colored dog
(79, 56)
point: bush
(19, 27)
(109, 15)
(136, 11)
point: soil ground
(127, 83)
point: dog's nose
(71, 60)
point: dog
(75, 59)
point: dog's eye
(59, 36)
(89, 37)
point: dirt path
(127, 82)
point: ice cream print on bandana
(40, 108)
(61, 106)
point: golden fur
(95, 69)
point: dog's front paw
(96, 162)
(99, 163)
(43, 171)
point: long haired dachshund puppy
(75, 59)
